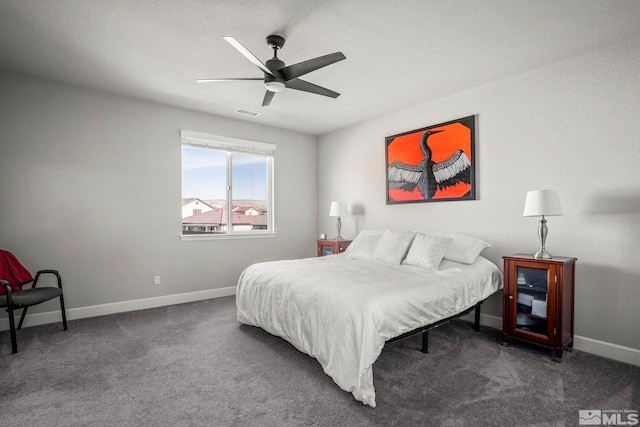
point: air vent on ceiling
(247, 112)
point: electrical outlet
(156, 280)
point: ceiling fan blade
(247, 54)
(305, 86)
(230, 79)
(302, 68)
(267, 98)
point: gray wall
(573, 127)
(91, 185)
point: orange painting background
(406, 149)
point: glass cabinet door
(326, 250)
(532, 295)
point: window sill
(198, 237)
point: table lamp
(542, 203)
(338, 209)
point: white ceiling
(399, 53)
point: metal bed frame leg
(425, 329)
(425, 333)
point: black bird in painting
(429, 176)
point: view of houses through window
(226, 183)
(210, 216)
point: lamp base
(542, 254)
(339, 237)
(542, 235)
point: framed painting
(432, 164)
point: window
(227, 187)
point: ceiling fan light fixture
(274, 86)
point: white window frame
(234, 145)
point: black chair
(28, 297)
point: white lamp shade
(338, 209)
(542, 203)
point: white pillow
(463, 249)
(364, 244)
(393, 246)
(427, 251)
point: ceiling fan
(277, 76)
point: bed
(341, 309)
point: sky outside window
(204, 176)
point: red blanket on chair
(13, 272)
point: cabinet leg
(569, 347)
(558, 355)
(505, 339)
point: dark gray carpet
(194, 365)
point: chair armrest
(8, 291)
(54, 272)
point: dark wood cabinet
(538, 301)
(330, 247)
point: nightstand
(538, 301)
(331, 246)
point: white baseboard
(588, 345)
(607, 349)
(119, 307)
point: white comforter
(341, 311)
